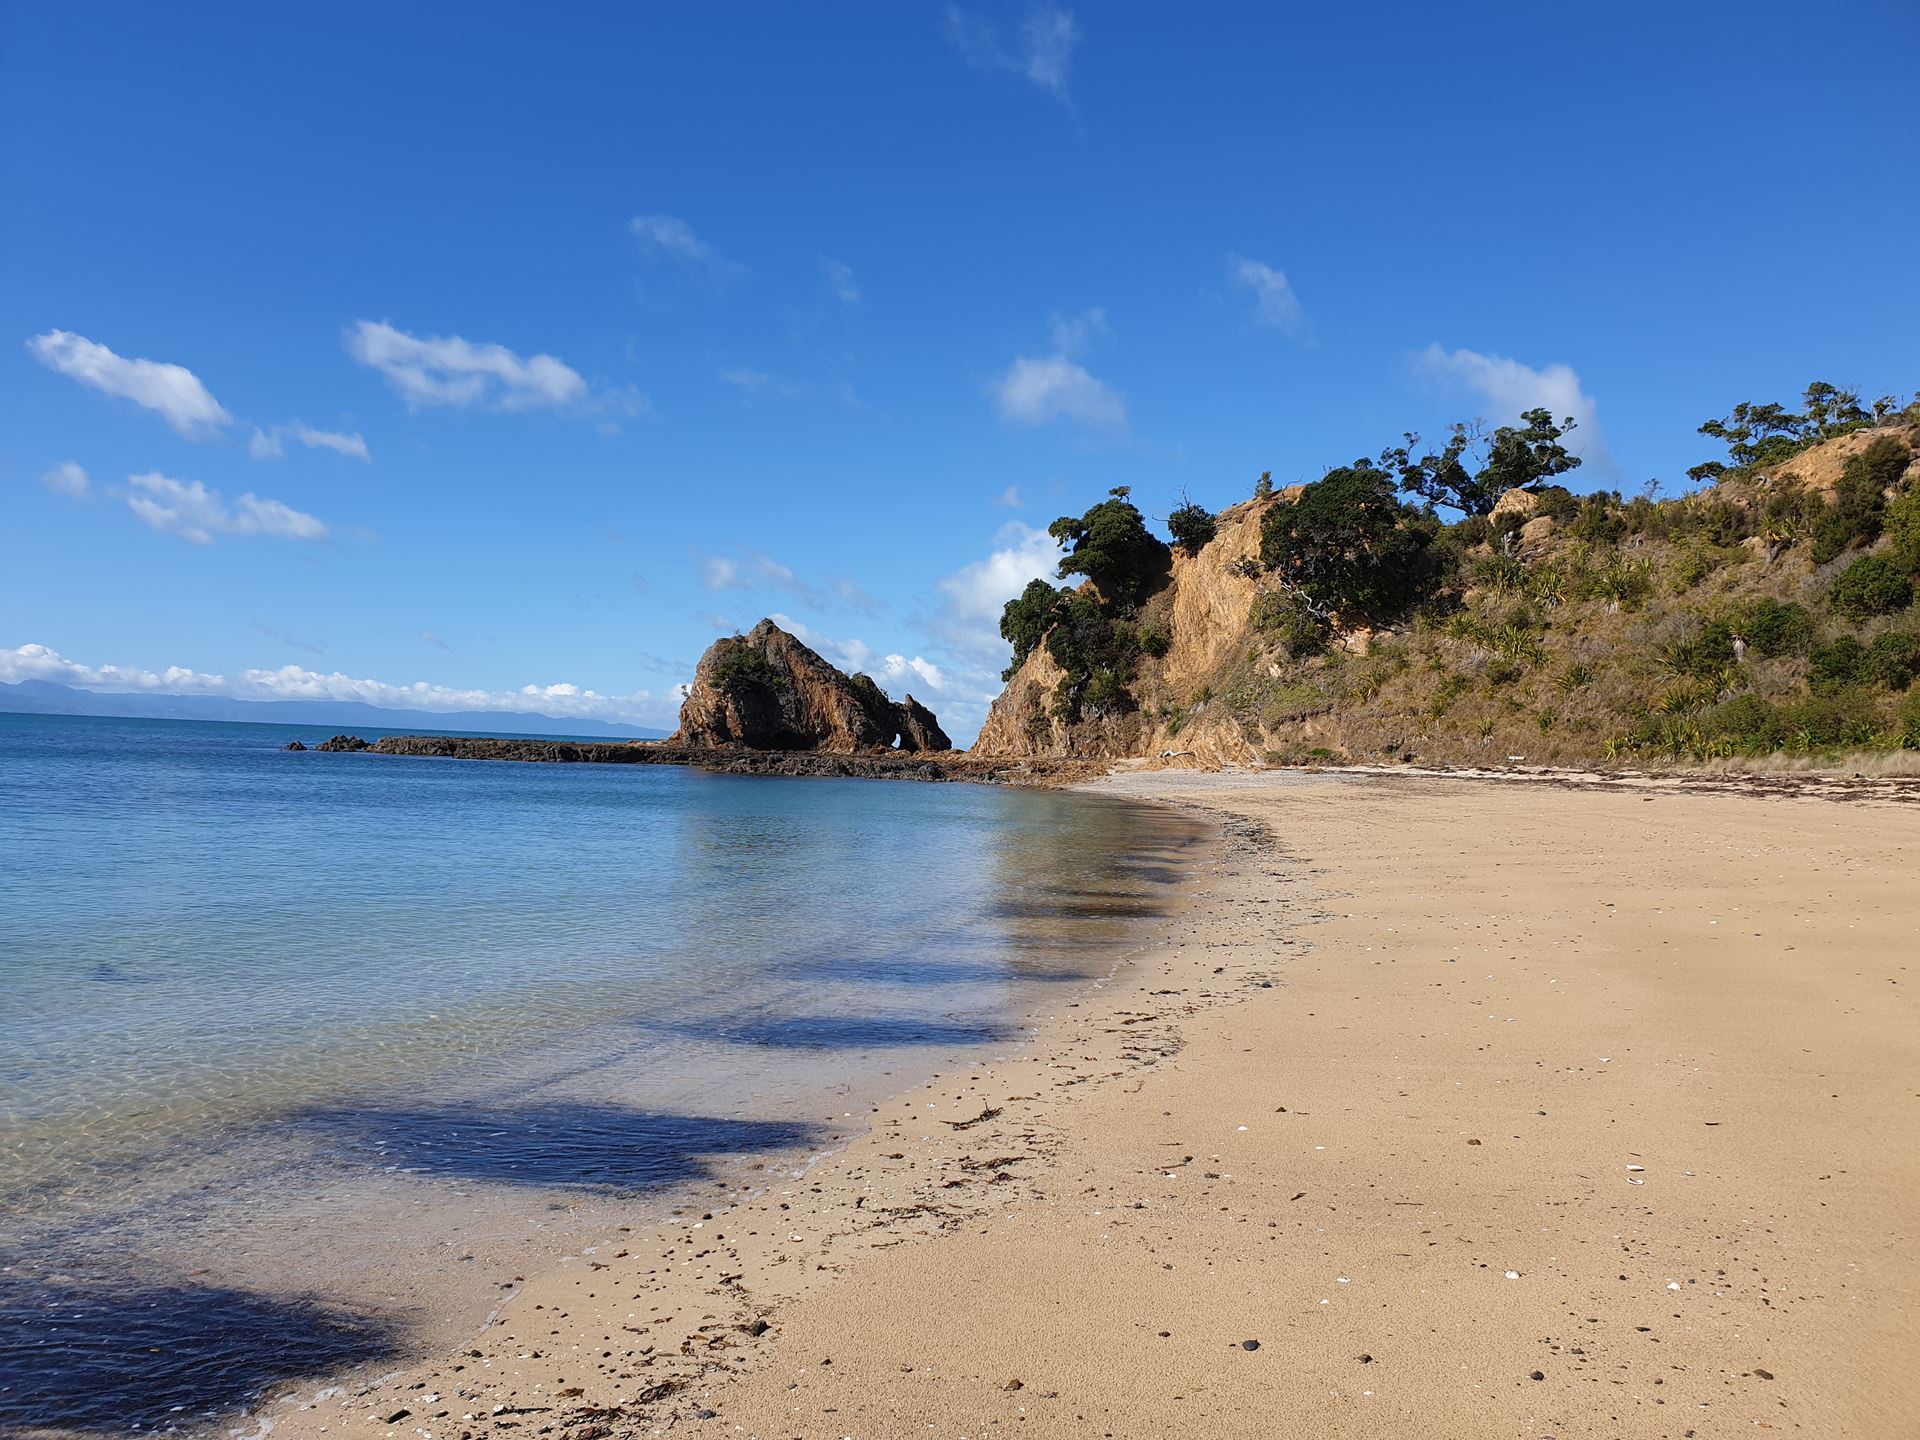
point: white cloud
(1035, 391)
(448, 370)
(353, 446)
(974, 595)
(69, 479)
(1274, 303)
(1509, 387)
(849, 655)
(840, 281)
(670, 235)
(172, 392)
(897, 668)
(1039, 389)
(271, 444)
(292, 682)
(1042, 51)
(1009, 499)
(193, 512)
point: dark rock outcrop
(919, 729)
(343, 742)
(734, 760)
(767, 691)
(293, 745)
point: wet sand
(1444, 1108)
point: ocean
(305, 1057)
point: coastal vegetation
(1461, 603)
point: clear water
(300, 1052)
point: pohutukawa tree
(1511, 458)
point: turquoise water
(294, 1044)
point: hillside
(1769, 611)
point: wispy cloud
(1009, 499)
(750, 382)
(1036, 390)
(190, 510)
(1274, 303)
(434, 640)
(850, 655)
(292, 682)
(669, 235)
(1040, 50)
(1509, 387)
(69, 479)
(840, 281)
(462, 374)
(269, 444)
(172, 392)
(754, 571)
(311, 647)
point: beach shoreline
(1478, 1108)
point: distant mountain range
(44, 697)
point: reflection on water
(326, 1036)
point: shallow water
(304, 1057)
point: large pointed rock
(765, 690)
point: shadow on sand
(107, 1356)
(839, 1032)
(608, 1148)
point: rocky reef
(765, 690)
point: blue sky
(457, 354)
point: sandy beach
(1441, 1108)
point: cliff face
(1568, 631)
(767, 691)
(1206, 607)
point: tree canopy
(1113, 548)
(1512, 458)
(1757, 434)
(1192, 526)
(1351, 545)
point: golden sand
(1445, 1108)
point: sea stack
(765, 690)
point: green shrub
(1906, 725)
(1096, 656)
(1155, 642)
(1598, 521)
(1192, 527)
(1471, 531)
(1837, 667)
(1290, 621)
(1025, 620)
(1902, 527)
(1871, 585)
(1893, 659)
(1557, 503)
(1773, 628)
(1708, 653)
(1859, 499)
(739, 665)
